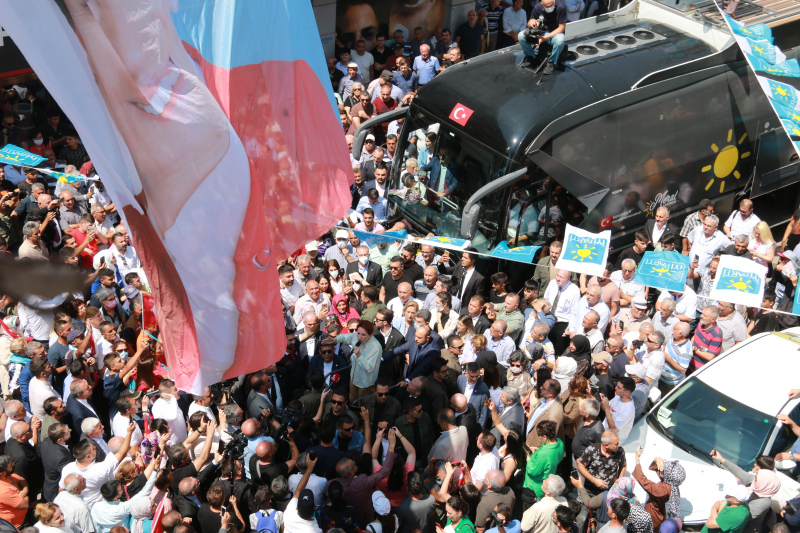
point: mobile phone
(574, 474)
(349, 282)
(224, 510)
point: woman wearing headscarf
(762, 481)
(142, 510)
(564, 370)
(342, 310)
(600, 504)
(664, 497)
(580, 349)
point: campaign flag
(762, 49)
(789, 68)
(373, 239)
(739, 281)
(446, 242)
(214, 127)
(14, 155)
(663, 270)
(756, 31)
(584, 252)
(63, 177)
(796, 303)
(522, 254)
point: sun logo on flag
(726, 161)
(579, 254)
(661, 271)
(741, 285)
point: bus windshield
(438, 170)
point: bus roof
(510, 108)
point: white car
(730, 405)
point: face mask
(516, 369)
(341, 244)
(363, 260)
(111, 305)
(124, 355)
(334, 273)
(439, 308)
(356, 286)
(38, 142)
(550, 9)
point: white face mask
(439, 308)
(550, 9)
(363, 259)
(334, 273)
(356, 286)
(516, 369)
(38, 142)
(341, 244)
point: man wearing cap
(677, 355)
(731, 514)
(628, 289)
(632, 318)
(601, 380)
(299, 514)
(638, 372)
(346, 83)
(343, 253)
(685, 303)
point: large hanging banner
(739, 281)
(212, 125)
(663, 270)
(584, 252)
(779, 77)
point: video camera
(532, 34)
(292, 418)
(235, 448)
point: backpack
(266, 522)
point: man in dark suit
(420, 353)
(390, 338)
(27, 462)
(309, 339)
(371, 272)
(93, 432)
(512, 417)
(381, 404)
(437, 388)
(259, 398)
(658, 226)
(79, 405)
(434, 170)
(328, 362)
(377, 180)
(357, 189)
(55, 456)
(479, 391)
(188, 502)
(333, 329)
(480, 322)
(467, 282)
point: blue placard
(372, 239)
(14, 155)
(663, 270)
(522, 254)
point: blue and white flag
(762, 49)
(756, 31)
(584, 252)
(663, 270)
(789, 68)
(373, 239)
(14, 155)
(522, 254)
(739, 281)
(796, 303)
(446, 242)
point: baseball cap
(639, 302)
(74, 334)
(370, 137)
(352, 64)
(740, 492)
(380, 503)
(788, 254)
(104, 293)
(312, 246)
(305, 504)
(398, 46)
(637, 370)
(602, 357)
(342, 234)
(130, 292)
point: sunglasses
(347, 429)
(326, 351)
(381, 394)
(337, 402)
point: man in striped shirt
(677, 356)
(707, 340)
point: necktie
(461, 283)
(555, 300)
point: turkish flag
(606, 222)
(460, 114)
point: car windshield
(438, 171)
(699, 419)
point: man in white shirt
(485, 462)
(620, 411)
(499, 342)
(93, 472)
(76, 513)
(706, 240)
(299, 514)
(396, 304)
(685, 303)
(564, 297)
(202, 403)
(314, 301)
(654, 360)
(741, 221)
(365, 61)
(104, 227)
(125, 256)
(291, 289)
(628, 290)
(40, 388)
(126, 409)
(591, 301)
(316, 484)
(166, 407)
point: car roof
(768, 365)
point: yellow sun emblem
(579, 254)
(726, 161)
(661, 271)
(740, 285)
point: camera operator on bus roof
(535, 43)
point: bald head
(115, 444)
(264, 450)
(188, 485)
(459, 402)
(496, 480)
(19, 429)
(251, 428)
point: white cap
(380, 503)
(740, 492)
(639, 302)
(370, 137)
(637, 370)
(312, 246)
(342, 234)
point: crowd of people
(416, 390)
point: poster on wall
(364, 19)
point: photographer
(547, 38)
(264, 468)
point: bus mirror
(469, 221)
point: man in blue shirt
(380, 206)
(425, 65)
(417, 42)
(405, 78)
